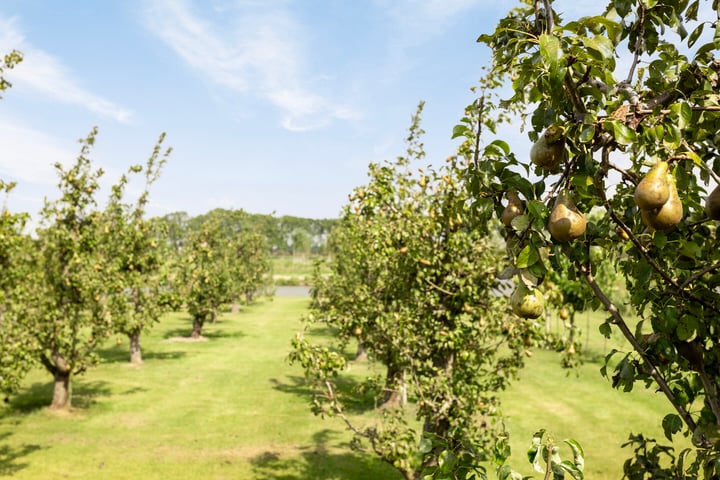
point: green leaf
(600, 47)
(683, 112)
(503, 145)
(460, 131)
(425, 445)
(686, 330)
(550, 50)
(520, 223)
(695, 34)
(587, 134)
(605, 329)
(672, 424)
(537, 208)
(622, 134)
(528, 256)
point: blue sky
(270, 106)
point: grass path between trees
(231, 407)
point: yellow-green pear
(653, 190)
(549, 152)
(566, 222)
(669, 214)
(712, 204)
(514, 208)
(526, 302)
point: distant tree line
(284, 235)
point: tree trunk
(197, 328)
(235, 309)
(392, 392)
(213, 318)
(135, 351)
(362, 353)
(62, 391)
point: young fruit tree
(135, 252)
(15, 247)
(16, 343)
(623, 108)
(206, 273)
(69, 314)
(413, 277)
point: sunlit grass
(231, 407)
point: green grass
(293, 270)
(231, 407)
(581, 404)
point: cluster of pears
(657, 198)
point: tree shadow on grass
(84, 396)
(10, 456)
(121, 354)
(321, 461)
(355, 399)
(210, 332)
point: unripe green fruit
(527, 303)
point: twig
(481, 108)
(438, 287)
(699, 274)
(549, 14)
(639, 45)
(548, 466)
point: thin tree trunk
(62, 391)
(392, 396)
(235, 309)
(362, 353)
(135, 351)
(197, 328)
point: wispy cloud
(45, 74)
(29, 155)
(416, 19)
(260, 54)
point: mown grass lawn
(231, 407)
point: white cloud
(29, 155)
(260, 54)
(45, 74)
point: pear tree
(16, 262)
(136, 254)
(621, 113)
(69, 315)
(206, 273)
(413, 277)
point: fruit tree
(623, 110)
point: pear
(669, 214)
(527, 303)
(514, 208)
(566, 222)
(549, 150)
(653, 190)
(712, 204)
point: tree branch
(650, 368)
(699, 274)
